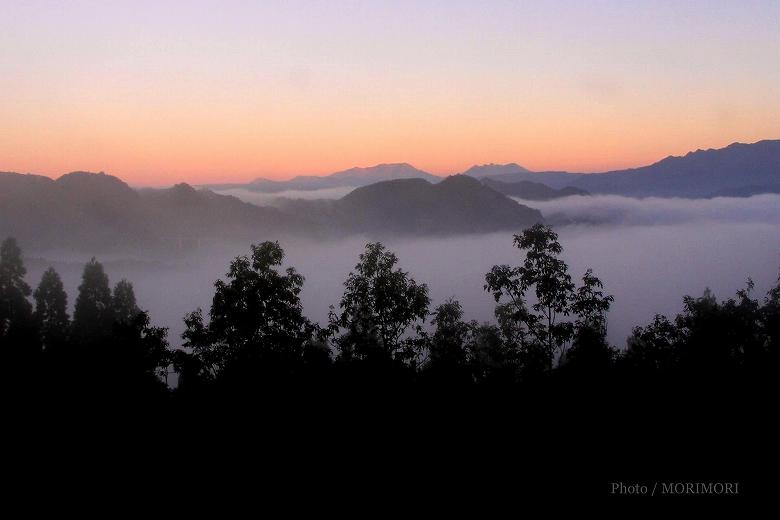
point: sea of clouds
(273, 199)
(648, 252)
(615, 209)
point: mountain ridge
(99, 212)
(697, 174)
(457, 204)
(530, 190)
(351, 177)
(481, 171)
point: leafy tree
(14, 291)
(140, 355)
(653, 348)
(590, 304)
(123, 302)
(16, 324)
(770, 321)
(492, 360)
(590, 352)
(379, 305)
(448, 346)
(521, 347)
(256, 320)
(538, 327)
(51, 314)
(718, 336)
(93, 315)
(708, 337)
(744, 328)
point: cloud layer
(615, 209)
(273, 199)
(652, 253)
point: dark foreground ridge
(537, 401)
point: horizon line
(400, 163)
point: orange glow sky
(230, 91)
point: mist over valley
(173, 243)
(649, 253)
(386, 253)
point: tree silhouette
(492, 360)
(139, 356)
(16, 323)
(770, 321)
(590, 352)
(256, 344)
(538, 327)
(652, 349)
(256, 321)
(709, 338)
(123, 302)
(51, 314)
(93, 314)
(379, 304)
(719, 336)
(448, 346)
(591, 305)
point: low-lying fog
(271, 199)
(652, 253)
(615, 209)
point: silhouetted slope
(702, 173)
(383, 172)
(736, 169)
(556, 180)
(98, 212)
(98, 188)
(458, 204)
(529, 190)
(182, 212)
(80, 208)
(353, 177)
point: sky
(158, 92)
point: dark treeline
(549, 333)
(378, 391)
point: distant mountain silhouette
(98, 212)
(555, 180)
(384, 172)
(95, 212)
(488, 170)
(458, 204)
(88, 209)
(185, 212)
(354, 177)
(738, 169)
(529, 190)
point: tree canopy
(256, 319)
(256, 335)
(380, 304)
